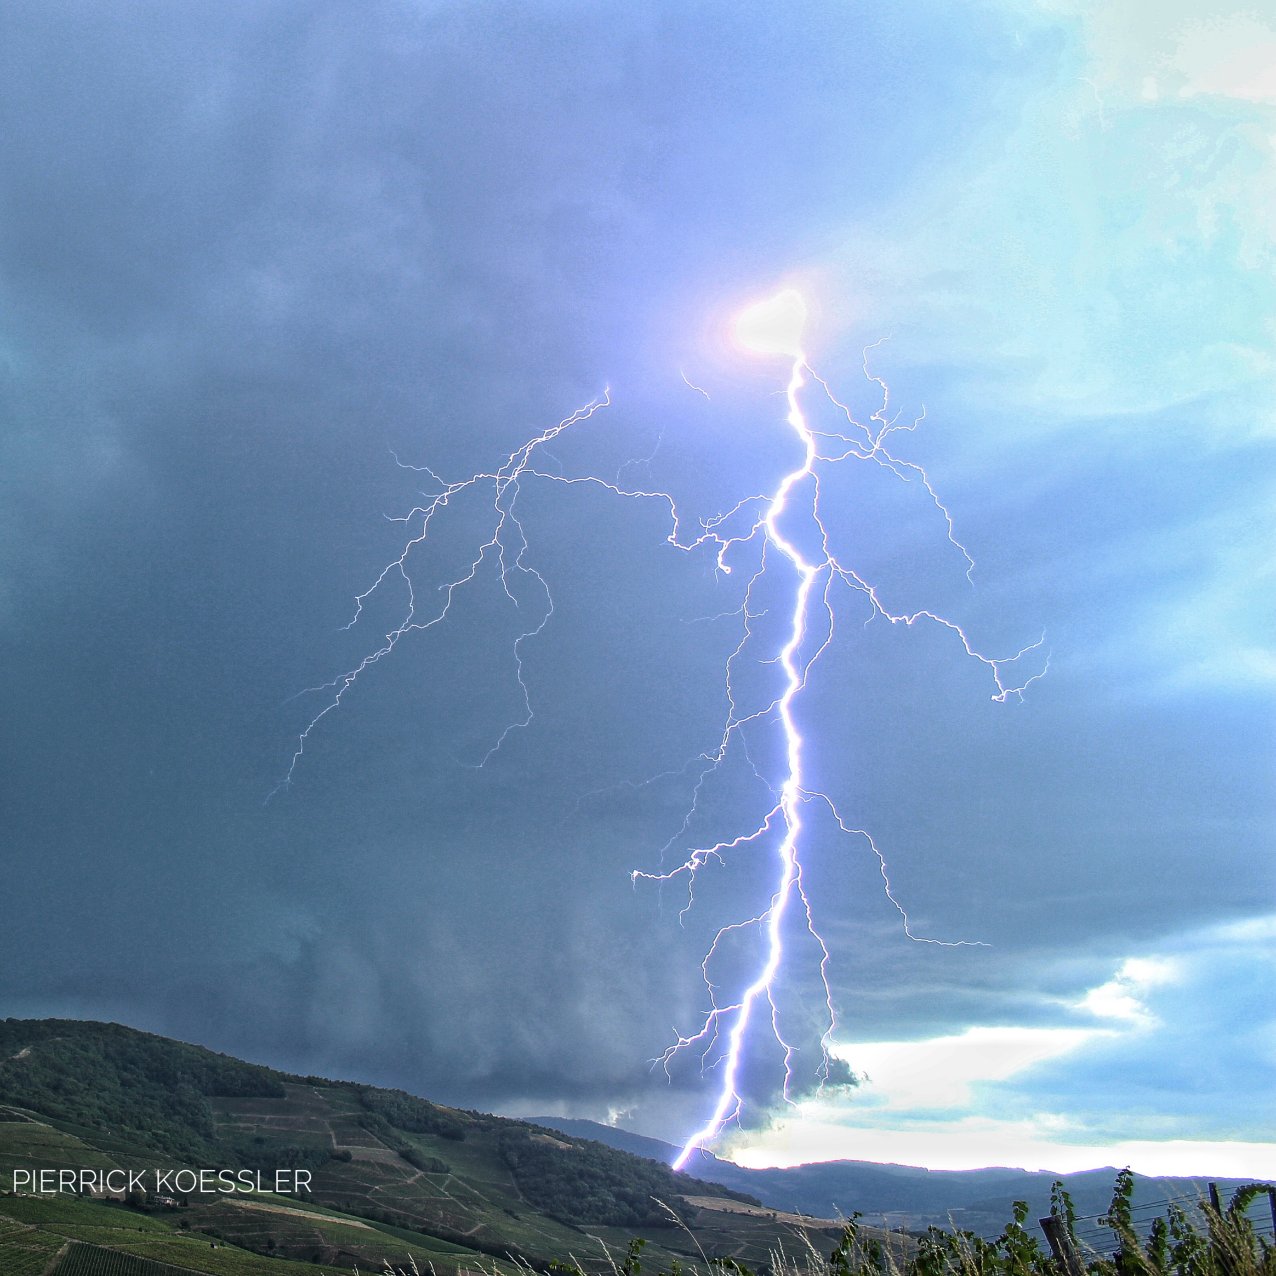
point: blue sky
(244, 260)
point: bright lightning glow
(774, 326)
(768, 531)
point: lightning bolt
(758, 525)
(504, 550)
(774, 327)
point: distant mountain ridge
(892, 1195)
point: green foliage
(1226, 1245)
(130, 1083)
(582, 1183)
(376, 1124)
(417, 1116)
(249, 1155)
(1174, 1246)
(426, 1164)
(1062, 1208)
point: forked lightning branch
(777, 540)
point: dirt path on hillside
(266, 1208)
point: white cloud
(1185, 1023)
(1158, 48)
(1040, 1143)
(1122, 996)
(1231, 56)
(941, 1072)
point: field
(91, 1260)
(92, 1239)
(32, 1144)
(25, 1250)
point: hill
(908, 1196)
(390, 1174)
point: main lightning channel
(757, 522)
(791, 792)
(774, 327)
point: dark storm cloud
(242, 254)
(246, 252)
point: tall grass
(1203, 1242)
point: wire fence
(1097, 1240)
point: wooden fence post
(1061, 1246)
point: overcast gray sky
(250, 253)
